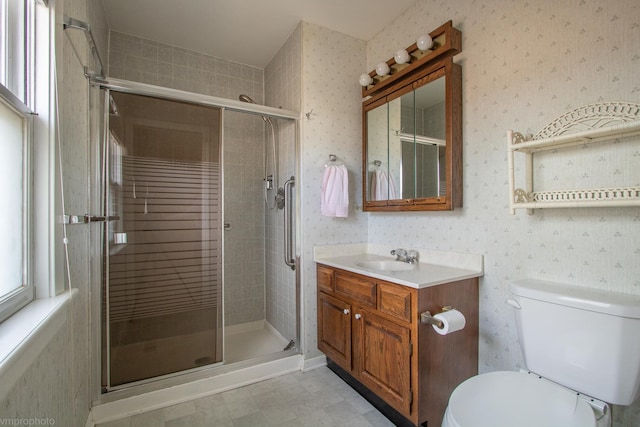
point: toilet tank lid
(599, 300)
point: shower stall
(193, 228)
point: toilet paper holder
(427, 319)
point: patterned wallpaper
(331, 63)
(523, 65)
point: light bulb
(382, 69)
(365, 80)
(401, 56)
(424, 42)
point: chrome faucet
(403, 255)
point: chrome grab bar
(288, 229)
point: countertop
(434, 268)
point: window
(16, 123)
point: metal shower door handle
(87, 219)
(288, 218)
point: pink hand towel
(335, 192)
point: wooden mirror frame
(435, 69)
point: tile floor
(314, 398)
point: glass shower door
(162, 297)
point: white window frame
(21, 103)
(25, 334)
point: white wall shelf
(585, 125)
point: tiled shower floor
(314, 398)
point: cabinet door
(383, 358)
(334, 329)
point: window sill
(24, 336)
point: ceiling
(246, 31)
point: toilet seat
(508, 398)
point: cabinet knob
(358, 316)
(345, 311)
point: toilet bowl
(522, 399)
(582, 345)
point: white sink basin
(386, 265)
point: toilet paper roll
(452, 321)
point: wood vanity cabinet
(371, 330)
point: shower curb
(126, 407)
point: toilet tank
(585, 339)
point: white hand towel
(392, 188)
(383, 186)
(335, 192)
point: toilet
(581, 348)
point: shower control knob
(358, 316)
(345, 311)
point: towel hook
(309, 114)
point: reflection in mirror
(422, 141)
(396, 130)
(412, 141)
(380, 184)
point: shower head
(247, 98)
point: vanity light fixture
(365, 80)
(402, 56)
(424, 42)
(428, 49)
(382, 69)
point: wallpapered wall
(331, 64)
(523, 65)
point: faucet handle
(413, 256)
(401, 254)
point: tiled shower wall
(147, 61)
(282, 89)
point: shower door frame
(118, 85)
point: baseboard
(313, 363)
(150, 401)
(89, 422)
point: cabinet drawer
(355, 287)
(395, 301)
(325, 279)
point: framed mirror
(412, 141)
